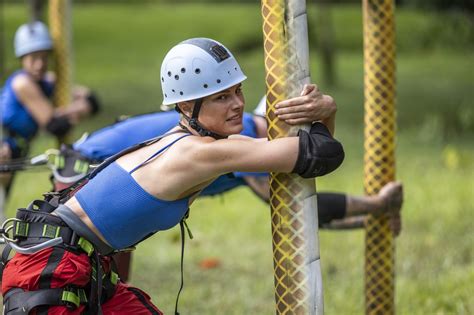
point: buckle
(77, 243)
(21, 229)
(51, 231)
(72, 298)
(6, 228)
(85, 245)
(114, 277)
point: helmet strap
(194, 122)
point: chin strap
(194, 123)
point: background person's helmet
(32, 37)
(196, 68)
(261, 108)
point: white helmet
(196, 68)
(261, 108)
(32, 37)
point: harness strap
(114, 157)
(19, 302)
(96, 286)
(182, 226)
(5, 258)
(64, 195)
(31, 235)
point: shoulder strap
(157, 153)
(64, 193)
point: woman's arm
(246, 155)
(29, 93)
(311, 154)
(57, 121)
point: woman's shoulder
(22, 81)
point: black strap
(95, 286)
(5, 258)
(19, 302)
(63, 195)
(41, 206)
(181, 227)
(19, 164)
(143, 300)
(194, 122)
(47, 275)
(197, 108)
(114, 157)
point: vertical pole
(36, 10)
(297, 270)
(2, 75)
(60, 28)
(2, 42)
(326, 40)
(379, 158)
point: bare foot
(391, 200)
(391, 197)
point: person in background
(25, 99)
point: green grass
(118, 49)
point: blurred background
(118, 47)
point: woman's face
(36, 63)
(222, 112)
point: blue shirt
(16, 118)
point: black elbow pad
(94, 103)
(319, 153)
(58, 126)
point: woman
(25, 99)
(151, 188)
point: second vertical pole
(379, 158)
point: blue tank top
(123, 212)
(15, 116)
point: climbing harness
(35, 229)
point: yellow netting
(294, 224)
(59, 23)
(379, 91)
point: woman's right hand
(309, 107)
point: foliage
(463, 5)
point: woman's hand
(310, 106)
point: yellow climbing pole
(60, 28)
(379, 158)
(297, 270)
